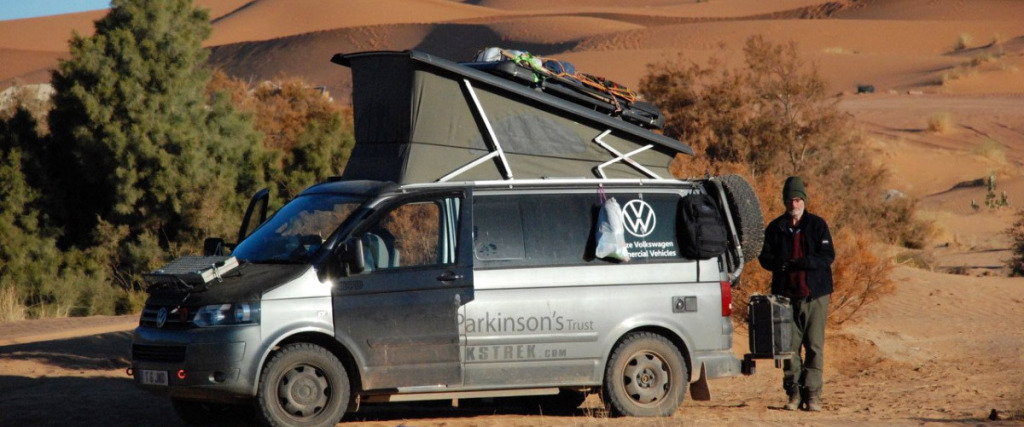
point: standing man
(798, 251)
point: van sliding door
(400, 316)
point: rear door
(401, 314)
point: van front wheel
(645, 377)
(303, 385)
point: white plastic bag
(611, 239)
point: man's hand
(795, 264)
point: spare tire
(746, 214)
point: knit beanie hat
(794, 188)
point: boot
(813, 404)
(794, 401)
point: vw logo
(638, 218)
(161, 317)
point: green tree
(45, 280)
(27, 252)
(138, 144)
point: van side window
(535, 230)
(414, 234)
(532, 230)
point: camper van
(458, 257)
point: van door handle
(448, 276)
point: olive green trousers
(802, 372)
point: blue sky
(17, 9)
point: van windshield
(296, 231)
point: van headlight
(227, 314)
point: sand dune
(894, 45)
(22, 62)
(50, 33)
(268, 19)
(937, 10)
(674, 8)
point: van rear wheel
(645, 377)
(303, 385)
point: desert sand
(944, 349)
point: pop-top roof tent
(421, 118)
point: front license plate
(154, 377)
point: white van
(459, 278)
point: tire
(645, 377)
(746, 210)
(199, 413)
(303, 385)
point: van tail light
(726, 299)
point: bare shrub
(990, 149)
(963, 41)
(900, 225)
(10, 306)
(861, 277)
(919, 259)
(1016, 233)
(940, 123)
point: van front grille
(176, 317)
(158, 353)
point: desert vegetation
(772, 118)
(142, 153)
(1016, 233)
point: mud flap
(699, 389)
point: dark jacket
(818, 253)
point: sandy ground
(944, 349)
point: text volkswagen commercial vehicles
(456, 259)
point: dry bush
(282, 108)
(306, 137)
(963, 41)
(1016, 233)
(10, 306)
(900, 223)
(990, 149)
(861, 277)
(940, 123)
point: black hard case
(770, 319)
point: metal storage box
(770, 319)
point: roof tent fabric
(416, 120)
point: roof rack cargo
(422, 118)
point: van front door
(400, 316)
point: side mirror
(214, 246)
(351, 255)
